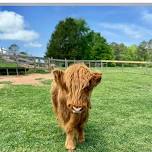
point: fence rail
(39, 62)
(49, 63)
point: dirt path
(33, 79)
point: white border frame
(75, 2)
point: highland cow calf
(71, 91)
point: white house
(3, 50)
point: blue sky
(31, 26)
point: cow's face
(78, 85)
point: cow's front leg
(70, 133)
(81, 137)
(70, 143)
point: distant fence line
(97, 63)
(46, 63)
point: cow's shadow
(94, 139)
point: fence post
(89, 63)
(51, 61)
(48, 63)
(38, 62)
(101, 64)
(34, 63)
(122, 65)
(7, 72)
(66, 64)
(25, 70)
(146, 68)
(16, 64)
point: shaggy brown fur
(71, 91)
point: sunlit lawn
(120, 119)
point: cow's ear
(59, 78)
(95, 79)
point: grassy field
(5, 64)
(120, 119)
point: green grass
(120, 119)
(41, 71)
(5, 64)
(46, 82)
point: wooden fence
(99, 63)
(41, 62)
(32, 62)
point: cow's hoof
(69, 145)
(71, 150)
(81, 140)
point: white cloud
(12, 27)
(10, 21)
(21, 35)
(147, 16)
(109, 34)
(129, 30)
(34, 44)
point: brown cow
(71, 91)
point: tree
(99, 48)
(150, 50)
(69, 40)
(119, 50)
(145, 50)
(14, 49)
(131, 53)
(23, 53)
